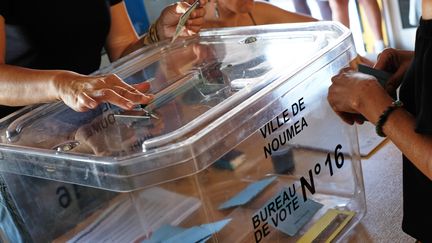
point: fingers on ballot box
(239, 144)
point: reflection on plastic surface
(211, 92)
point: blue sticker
(251, 191)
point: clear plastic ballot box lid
(212, 92)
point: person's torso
(56, 34)
(416, 94)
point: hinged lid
(206, 89)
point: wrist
(152, 35)
(385, 115)
(154, 31)
(373, 99)
(57, 84)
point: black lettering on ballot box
(149, 174)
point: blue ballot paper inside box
(289, 218)
(173, 234)
(248, 193)
(200, 123)
(285, 211)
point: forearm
(123, 40)
(400, 128)
(353, 93)
(22, 86)
(290, 17)
(149, 38)
(278, 15)
(427, 9)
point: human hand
(365, 61)
(396, 62)
(82, 93)
(170, 16)
(352, 94)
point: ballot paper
(173, 234)
(183, 19)
(328, 226)
(287, 211)
(132, 219)
(248, 193)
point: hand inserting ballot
(183, 18)
(171, 17)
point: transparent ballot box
(238, 145)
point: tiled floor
(382, 175)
